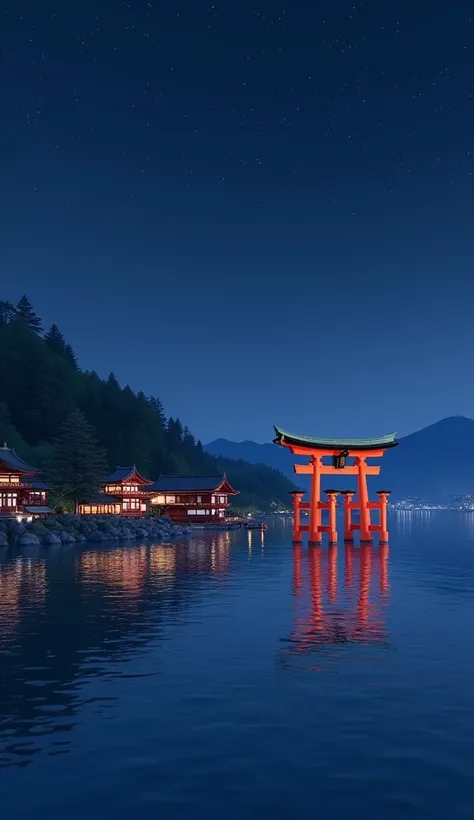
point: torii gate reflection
(329, 613)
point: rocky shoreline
(72, 529)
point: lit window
(131, 503)
(199, 499)
(171, 499)
(113, 488)
(192, 512)
(8, 500)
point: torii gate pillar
(314, 502)
(365, 531)
(297, 530)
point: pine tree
(70, 356)
(78, 463)
(174, 434)
(7, 313)
(158, 408)
(56, 342)
(24, 311)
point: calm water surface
(233, 676)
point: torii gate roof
(381, 443)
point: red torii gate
(339, 450)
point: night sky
(258, 212)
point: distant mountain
(253, 453)
(434, 463)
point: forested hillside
(41, 384)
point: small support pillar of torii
(338, 451)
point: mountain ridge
(433, 463)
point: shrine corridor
(240, 676)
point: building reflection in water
(129, 570)
(22, 589)
(123, 569)
(331, 613)
(255, 538)
(69, 617)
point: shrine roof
(38, 484)
(382, 443)
(122, 474)
(16, 463)
(192, 483)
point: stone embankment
(71, 529)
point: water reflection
(329, 610)
(22, 588)
(255, 538)
(68, 618)
(143, 680)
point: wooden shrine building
(192, 499)
(338, 457)
(124, 492)
(23, 494)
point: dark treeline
(41, 385)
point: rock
(17, 528)
(51, 524)
(51, 538)
(125, 532)
(28, 539)
(112, 531)
(94, 536)
(69, 529)
(86, 529)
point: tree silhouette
(56, 342)
(78, 464)
(7, 313)
(24, 311)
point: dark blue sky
(258, 212)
